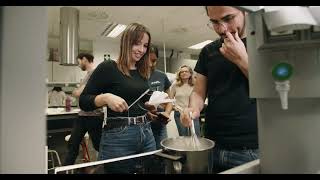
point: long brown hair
(133, 34)
(178, 78)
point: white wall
(182, 59)
(112, 47)
(22, 89)
(59, 73)
(106, 46)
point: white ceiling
(177, 26)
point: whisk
(194, 141)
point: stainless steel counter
(59, 120)
(61, 113)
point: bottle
(68, 104)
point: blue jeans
(223, 159)
(159, 132)
(183, 131)
(124, 141)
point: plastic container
(68, 104)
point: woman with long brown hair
(117, 85)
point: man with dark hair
(88, 57)
(154, 49)
(90, 122)
(222, 75)
(158, 81)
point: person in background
(181, 90)
(56, 97)
(222, 74)
(88, 121)
(117, 85)
(158, 81)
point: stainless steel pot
(186, 158)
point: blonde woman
(181, 90)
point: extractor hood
(69, 36)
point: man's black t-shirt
(159, 81)
(231, 117)
(108, 79)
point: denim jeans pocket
(117, 130)
(148, 128)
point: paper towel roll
(289, 19)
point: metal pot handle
(171, 157)
(177, 166)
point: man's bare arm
(196, 100)
(198, 95)
(77, 92)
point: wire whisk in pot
(194, 141)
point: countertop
(61, 111)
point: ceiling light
(200, 45)
(113, 29)
(117, 30)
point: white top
(57, 98)
(182, 94)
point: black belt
(114, 122)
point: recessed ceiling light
(117, 30)
(113, 30)
(200, 45)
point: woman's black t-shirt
(107, 78)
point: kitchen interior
(95, 24)
(34, 139)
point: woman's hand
(153, 115)
(152, 111)
(115, 103)
(150, 107)
(163, 117)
